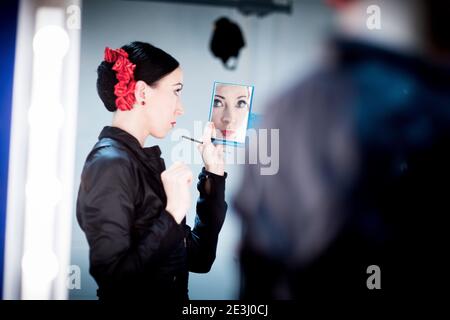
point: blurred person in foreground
(364, 165)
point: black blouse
(136, 248)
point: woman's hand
(212, 155)
(177, 185)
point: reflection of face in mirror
(230, 112)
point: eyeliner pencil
(192, 139)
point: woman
(130, 207)
(231, 107)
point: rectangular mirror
(230, 111)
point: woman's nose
(179, 109)
(227, 116)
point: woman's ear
(141, 93)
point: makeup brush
(192, 139)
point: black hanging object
(226, 42)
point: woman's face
(164, 103)
(230, 109)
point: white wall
(280, 49)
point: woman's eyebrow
(178, 84)
(241, 97)
(220, 96)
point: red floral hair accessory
(124, 89)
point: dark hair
(152, 64)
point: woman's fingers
(200, 148)
(179, 170)
(207, 133)
(214, 133)
(188, 176)
(184, 173)
(175, 165)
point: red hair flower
(120, 89)
(124, 89)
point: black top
(136, 248)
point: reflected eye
(241, 104)
(217, 103)
(177, 92)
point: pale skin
(154, 114)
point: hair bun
(140, 59)
(105, 85)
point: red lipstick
(226, 133)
